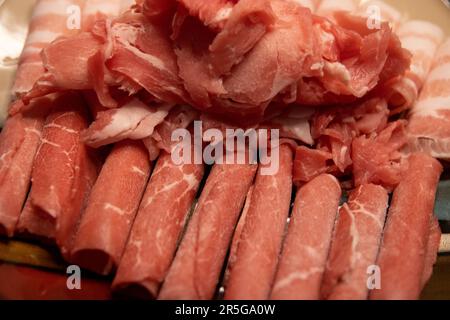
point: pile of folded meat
(363, 109)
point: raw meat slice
(248, 23)
(422, 39)
(59, 150)
(355, 244)
(134, 120)
(402, 255)
(308, 239)
(19, 141)
(429, 122)
(195, 272)
(277, 61)
(432, 249)
(49, 21)
(253, 270)
(142, 51)
(58, 196)
(111, 209)
(377, 158)
(158, 227)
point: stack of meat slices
(86, 163)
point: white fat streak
(44, 8)
(110, 206)
(126, 35)
(42, 37)
(137, 170)
(300, 275)
(57, 126)
(338, 70)
(222, 14)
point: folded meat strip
(252, 273)
(429, 123)
(112, 207)
(49, 21)
(402, 255)
(19, 142)
(422, 39)
(63, 171)
(158, 227)
(433, 244)
(308, 239)
(355, 244)
(196, 269)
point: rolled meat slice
(195, 272)
(422, 39)
(50, 20)
(355, 244)
(19, 142)
(402, 255)
(308, 239)
(158, 227)
(257, 254)
(112, 207)
(429, 122)
(433, 244)
(63, 172)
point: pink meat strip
(267, 214)
(134, 120)
(429, 122)
(433, 244)
(308, 239)
(195, 272)
(19, 141)
(48, 22)
(355, 244)
(112, 207)
(73, 169)
(158, 227)
(422, 39)
(403, 250)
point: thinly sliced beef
(134, 121)
(158, 227)
(377, 158)
(213, 13)
(308, 239)
(195, 272)
(48, 22)
(111, 209)
(422, 39)
(404, 247)
(256, 253)
(355, 244)
(433, 244)
(19, 142)
(429, 122)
